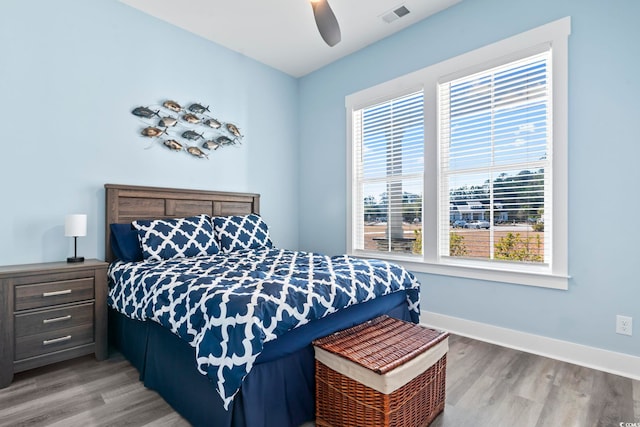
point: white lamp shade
(75, 225)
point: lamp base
(75, 259)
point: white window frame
(555, 273)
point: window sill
(527, 278)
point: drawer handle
(56, 293)
(56, 319)
(56, 340)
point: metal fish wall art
(210, 145)
(173, 144)
(145, 112)
(172, 105)
(191, 118)
(167, 122)
(233, 129)
(195, 151)
(191, 135)
(224, 140)
(183, 126)
(197, 108)
(213, 123)
(151, 131)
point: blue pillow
(241, 232)
(124, 243)
(176, 238)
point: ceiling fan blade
(326, 21)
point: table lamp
(75, 226)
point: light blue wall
(604, 152)
(71, 72)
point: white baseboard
(622, 364)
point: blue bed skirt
(279, 390)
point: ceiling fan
(326, 21)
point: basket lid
(381, 344)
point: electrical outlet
(624, 325)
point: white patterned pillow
(241, 232)
(176, 238)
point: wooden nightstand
(51, 312)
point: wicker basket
(384, 346)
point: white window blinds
(495, 144)
(388, 169)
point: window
(494, 137)
(461, 168)
(389, 174)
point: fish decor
(198, 109)
(213, 123)
(181, 127)
(173, 144)
(191, 135)
(224, 140)
(191, 118)
(233, 129)
(167, 122)
(172, 105)
(145, 112)
(210, 145)
(195, 151)
(152, 131)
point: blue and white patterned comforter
(228, 306)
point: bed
(276, 383)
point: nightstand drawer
(50, 320)
(53, 293)
(35, 345)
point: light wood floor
(487, 386)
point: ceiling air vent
(395, 14)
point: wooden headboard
(126, 203)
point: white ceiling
(283, 33)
